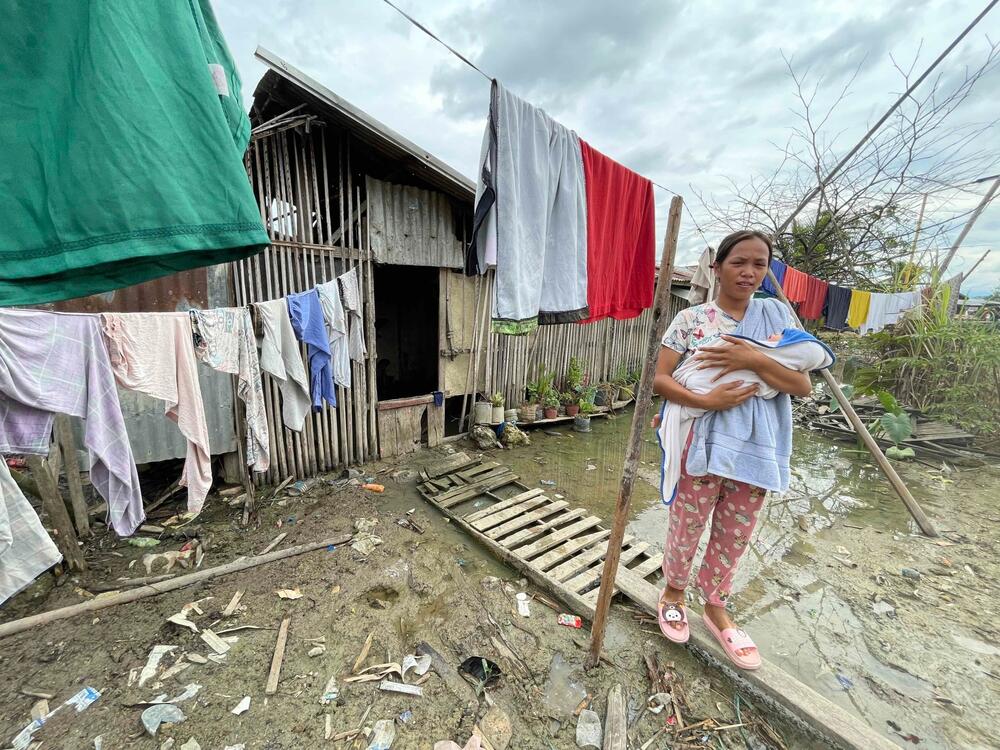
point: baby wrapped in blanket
(793, 348)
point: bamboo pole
(640, 419)
(859, 427)
(54, 506)
(155, 589)
(67, 443)
(967, 228)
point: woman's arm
(721, 398)
(742, 356)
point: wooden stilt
(866, 437)
(66, 539)
(640, 422)
(64, 437)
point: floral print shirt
(698, 326)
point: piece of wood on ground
(399, 687)
(364, 653)
(615, 725)
(279, 654)
(40, 709)
(63, 432)
(214, 642)
(52, 502)
(274, 543)
(233, 603)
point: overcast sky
(688, 94)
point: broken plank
(279, 655)
(528, 518)
(482, 480)
(233, 603)
(479, 489)
(647, 566)
(468, 474)
(534, 532)
(568, 549)
(582, 561)
(450, 465)
(585, 579)
(503, 516)
(556, 538)
(503, 505)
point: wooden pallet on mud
(560, 548)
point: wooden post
(939, 273)
(866, 437)
(64, 437)
(58, 516)
(640, 422)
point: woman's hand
(728, 395)
(739, 355)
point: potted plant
(571, 401)
(551, 404)
(581, 422)
(482, 412)
(621, 387)
(526, 412)
(574, 376)
(542, 387)
(603, 394)
(497, 412)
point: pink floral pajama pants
(734, 507)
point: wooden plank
(435, 425)
(503, 516)
(534, 532)
(55, 509)
(451, 464)
(405, 403)
(479, 488)
(504, 504)
(615, 724)
(648, 566)
(468, 474)
(279, 654)
(528, 518)
(568, 549)
(584, 560)
(63, 433)
(556, 538)
(480, 480)
(585, 579)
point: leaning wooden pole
(640, 422)
(866, 437)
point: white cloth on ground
(676, 420)
(336, 327)
(351, 298)
(153, 353)
(281, 357)
(26, 550)
(224, 340)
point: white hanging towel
(531, 217)
(26, 550)
(351, 298)
(281, 358)
(878, 313)
(336, 328)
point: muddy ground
(436, 587)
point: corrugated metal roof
(412, 227)
(365, 127)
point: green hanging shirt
(122, 137)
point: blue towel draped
(306, 314)
(751, 442)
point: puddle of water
(562, 694)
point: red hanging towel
(794, 284)
(621, 238)
(812, 307)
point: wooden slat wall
(602, 347)
(313, 208)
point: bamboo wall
(315, 213)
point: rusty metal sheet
(412, 227)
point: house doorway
(406, 331)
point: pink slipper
(669, 613)
(733, 639)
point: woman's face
(743, 270)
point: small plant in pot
(551, 404)
(581, 422)
(571, 401)
(603, 395)
(497, 402)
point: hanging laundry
(954, 285)
(838, 302)
(280, 356)
(531, 217)
(336, 329)
(153, 353)
(306, 314)
(812, 306)
(351, 297)
(26, 549)
(703, 281)
(857, 313)
(621, 238)
(778, 269)
(128, 163)
(58, 364)
(899, 304)
(795, 284)
(878, 313)
(224, 341)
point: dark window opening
(406, 331)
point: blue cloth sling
(778, 269)
(306, 314)
(751, 442)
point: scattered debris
(196, 659)
(242, 707)
(522, 604)
(494, 729)
(230, 609)
(588, 731)
(331, 692)
(279, 654)
(142, 541)
(615, 725)
(659, 701)
(483, 671)
(572, 621)
(289, 593)
(883, 607)
(80, 701)
(406, 717)
(152, 662)
(214, 642)
(373, 487)
(39, 709)
(383, 734)
(400, 687)
(191, 744)
(182, 621)
(161, 713)
(364, 540)
(274, 543)
(364, 653)
(317, 651)
(419, 665)
(301, 487)
(913, 575)
(547, 482)
(845, 681)
(484, 437)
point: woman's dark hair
(732, 240)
